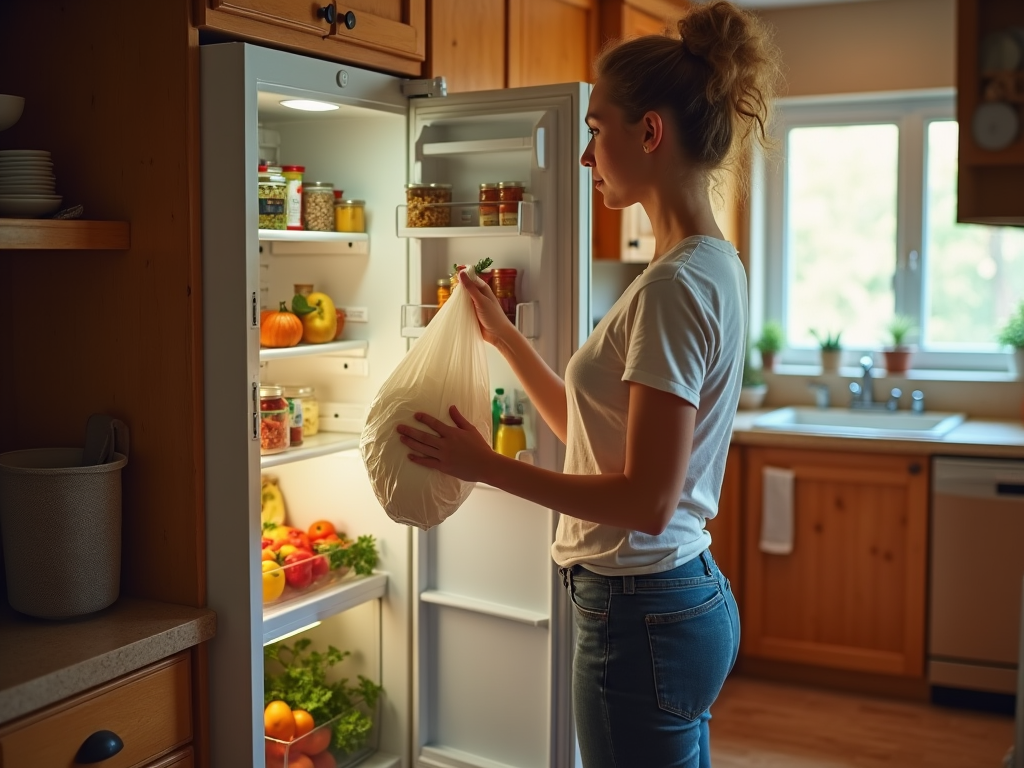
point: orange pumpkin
(280, 328)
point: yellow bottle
(510, 438)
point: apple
(320, 566)
(300, 574)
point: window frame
(911, 112)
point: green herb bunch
(1012, 334)
(359, 555)
(771, 338)
(297, 676)
(899, 328)
(828, 342)
(479, 267)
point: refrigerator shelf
(347, 348)
(416, 317)
(289, 241)
(528, 222)
(280, 619)
(510, 612)
(320, 444)
(488, 146)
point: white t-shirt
(680, 327)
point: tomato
(266, 542)
(278, 534)
(300, 573)
(273, 581)
(329, 539)
(321, 528)
(321, 324)
(315, 742)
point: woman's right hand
(494, 324)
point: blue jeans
(652, 653)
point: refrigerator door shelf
(528, 222)
(416, 317)
(307, 609)
(312, 447)
(284, 242)
(347, 348)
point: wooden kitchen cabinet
(726, 527)
(851, 595)
(389, 35)
(150, 711)
(989, 182)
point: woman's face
(615, 153)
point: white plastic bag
(447, 366)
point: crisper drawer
(149, 710)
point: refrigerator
(465, 626)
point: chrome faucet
(917, 398)
(864, 392)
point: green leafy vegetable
(480, 266)
(299, 677)
(359, 555)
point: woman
(647, 403)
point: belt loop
(705, 558)
(628, 585)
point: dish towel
(777, 511)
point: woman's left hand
(459, 450)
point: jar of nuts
(424, 205)
(318, 206)
(271, 198)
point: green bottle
(497, 408)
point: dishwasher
(976, 571)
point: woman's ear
(654, 130)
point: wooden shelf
(64, 234)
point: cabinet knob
(914, 469)
(348, 19)
(99, 747)
(328, 13)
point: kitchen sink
(930, 425)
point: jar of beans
(271, 193)
(318, 206)
(425, 205)
(275, 435)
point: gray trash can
(61, 528)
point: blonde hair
(717, 79)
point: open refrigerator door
(463, 628)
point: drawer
(150, 710)
(183, 758)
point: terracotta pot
(752, 397)
(897, 360)
(830, 360)
(768, 361)
(1017, 362)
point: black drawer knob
(99, 747)
(328, 13)
(349, 19)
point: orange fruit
(278, 722)
(321, 528)
(303, 722)
(275, 754)
(324, 760)
(299, 760)
(316, 741)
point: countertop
(45, 661)
(975, 437)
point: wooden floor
(770, 725)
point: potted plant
(1012, 335)
(831, 350)
(753, 389)
(897, 356)
(769, 344)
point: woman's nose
(587, 158)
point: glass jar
(489, 213)
(510, 193)
(293, 195)
(271, 194)
(424, 209)
(303, 411)
(511, 437)
(274, 428)
(318, 206)
(444, 291)
(303, 289)
(504, 287)
(349, 215)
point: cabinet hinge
(255, 411)
(432, 88)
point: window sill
(922, 375)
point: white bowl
(29, 205)
(10, 110)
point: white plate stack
(27, 183)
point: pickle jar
(318, 206)
(293, 195)
(510, 193)
(275, 435)
(271, 196)
(349, 215)
(489, 205)
(425, 205)
(303, 412)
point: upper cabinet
(389, 35)
(990, 110)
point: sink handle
(893, 404)
(917, 401)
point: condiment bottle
(504, 287)
(510, 193)
(293, 194)
(497, 408)
(444, 291)
(349, 215)
(511, 438)
(489, 213)
(274, 430)
(271, 193)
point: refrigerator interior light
(308, 105)
(293, 632)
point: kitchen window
(854, 221)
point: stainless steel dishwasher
(977, 564)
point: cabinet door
(851, 595)
(550, 41)
(467, 44)
(388, 34)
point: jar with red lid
(510, 194)
(489, 213)
(504, 286)
(293, 194)
(275, 435)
